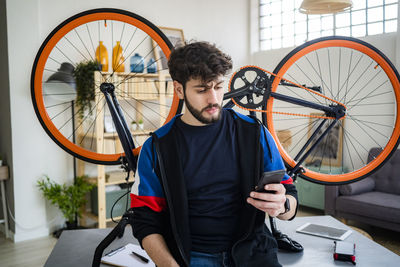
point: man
(195, 204)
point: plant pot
(72, 225)
(141, 126)
(134, 127)
(1, 162)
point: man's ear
(178, 89)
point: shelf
(113, 180)
(90, 215)
(135, 133)
(115, 218)
(93, 180)
(95, 218)
(138, 74)
(114, 135)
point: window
(282, 25)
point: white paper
(124, 257)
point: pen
(144, 259)
(114, 251)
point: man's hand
(273, 204)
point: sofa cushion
(372, 204)
(363, 186)
(387, 177)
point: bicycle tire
(360, 132)
(71, 41)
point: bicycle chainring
(255, 84)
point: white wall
(28, 23)
(389, 44)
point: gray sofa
(374, 200)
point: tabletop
(76, 247)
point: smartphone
(272, 177)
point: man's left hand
(271, 203)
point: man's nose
(212, 96)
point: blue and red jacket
(159, 199)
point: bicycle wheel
(74, 114)
(354, 74)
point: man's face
(203, 100)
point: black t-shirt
(209, 159)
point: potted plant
(133, 125)
(68, 198)
(140, 123)
(1, 160)
(85, 86)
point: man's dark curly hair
(198, 60)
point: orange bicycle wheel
(353, 73)
(73, 111)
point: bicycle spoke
(310, 81)
(90, 112)
(66, 56)
(346, 82)
(146, 107)
(371, 104)
(155, 126)
(55, 105)
(84, 45)
(368, 94)
(356, 122)
(292, 78)
(100, 112)
(119, 59)
(91, 40)
(320, 75)
(348, 75)
(61, 112)
(375, 123)
(348, 150)
(362, 74)
(79, 51)
(380, 94)
(338, 84)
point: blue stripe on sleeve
(149, 184)
(276, 163)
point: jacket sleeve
(147, 197)
(273, 161)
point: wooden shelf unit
(140, 86)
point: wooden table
(76, 248)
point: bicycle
(344, 76)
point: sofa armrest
(359, 187)
(331, 193)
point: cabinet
(310, 194)
(135, 91)
(313, 194)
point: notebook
(123, 256)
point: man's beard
(197, 113)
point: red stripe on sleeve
(155, 203)
(287, 181)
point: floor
(36, 252)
